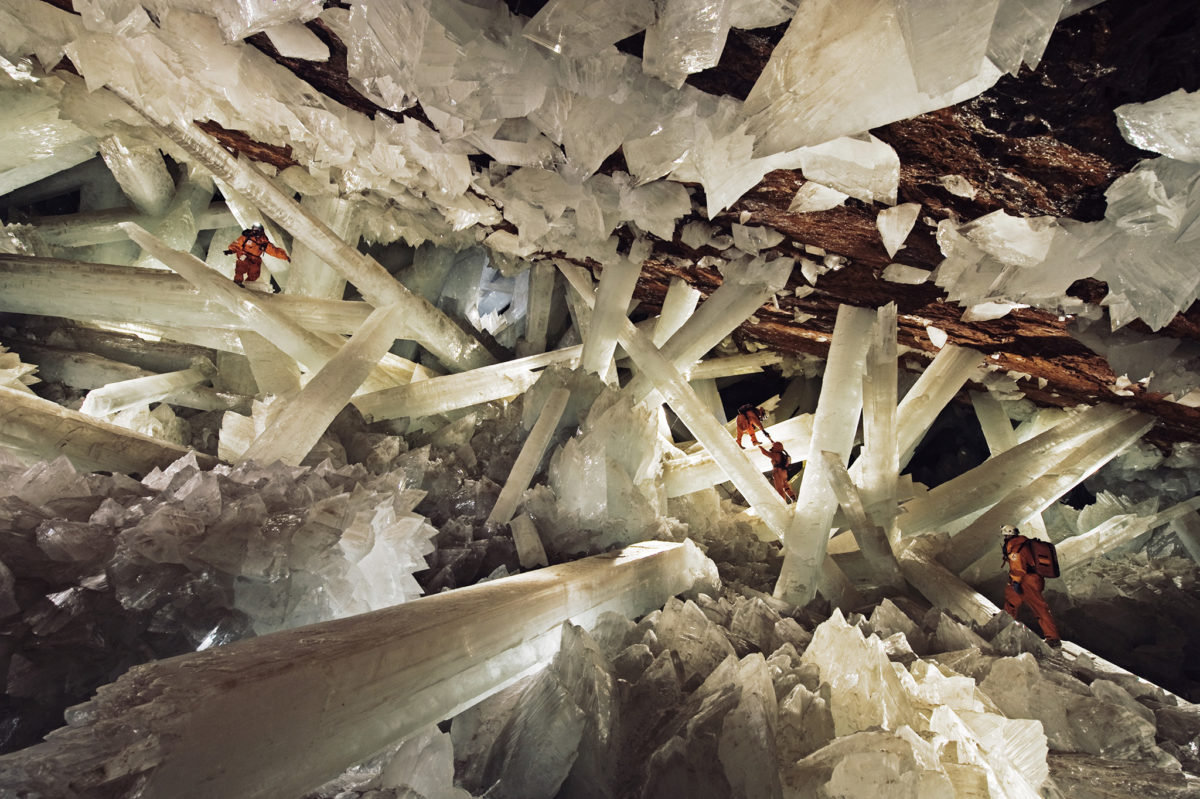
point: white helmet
(1008, 530)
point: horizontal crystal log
(231, 721)
(941, 586)
(47, 287)
(103, 227)
(46, 430)
(116, 397)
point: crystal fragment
(894, 226)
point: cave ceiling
(1042, 143)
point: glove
(229, 252)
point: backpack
(1045, 557)
(787, 461)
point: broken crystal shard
(751, 240)
(303, 419)
(530, 551)
(270, 700)
(142, 174)
(945, 41)
(685, 37)
(118, 396)
(813, 196)
(530, 457)
(957, 185)
(865, 168)
(894, 226)
(834, 425)
(293, 40)
(1166, 125)
(1021, 31)
(578, 28)
(804, 96)
(1117, 531)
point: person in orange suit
(750, 420)
(249, 248)
(780, 460)
(1025, 585)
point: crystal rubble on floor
(192, 694)
(834, 426)
(43, 286)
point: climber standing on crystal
(249, 248)
(1025, 584)
(780, 460)
(749, 420)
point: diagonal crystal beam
(872, 540)
(942, 587)
(306, 347)
(309, 275)
(464, 389)
(295, 428)
(177, 227)
(1111, 534)
(434, 330)
(230, 721)
(742, 293)
(982, 487)
(694, 414)
(541, 300)
(1187, 528)
(49, 287)
(999, 434)
(834, 426)
(46, 430)
(1071, 467)
(934, 389)
(529, 457)
(678, 306)
(617, 282)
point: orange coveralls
(1025, 586)
(249, 251)
(779, 476)
(749, 421)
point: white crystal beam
(700, 470)
(934, 389)
(986, 484)
(879, 461)
(939, 585)
(872, 540)
(525, 466)
(118, 396)
(433, 329)
(232, 720)
(103, 227)
(1073, 465)
(309, 275)
(141, 173)
(1187, 529)
(303, 420)
(617, 282)
(678, 305)
(1119, 530)
(530, 551)
(47, 430)
(48, 287)
(694, 414)
(541, 299)
(999, 434)
(739, 296)
(834, 426)
(464, 389)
